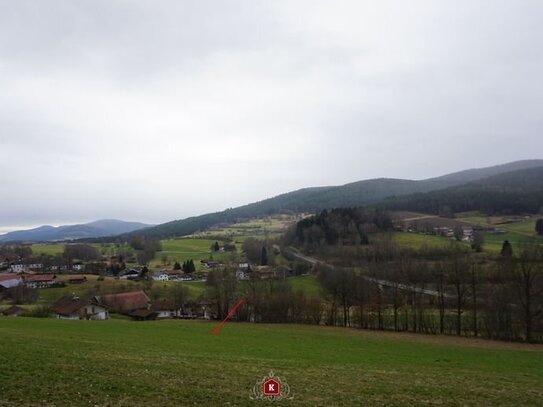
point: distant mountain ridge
(359, 193)
(99, 228)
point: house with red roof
(72, 307)
(124, 303)
(10, 280)
(39, 280)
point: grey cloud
(159, 110)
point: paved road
(387, 283)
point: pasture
(516, 230)
(51, 362)
(182, 249)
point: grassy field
(47, 249)
(522, 230)
(51, 362)
(308, 284)
(417, 241)
(185, 249)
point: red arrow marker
(216, 330)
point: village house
(165, 309)
(210, 264)
(77, 279)
(264, 273)
(124, 303)
(78, 266)
(173, 274)
(39, 280)
(72, 307)
(242, 275)
(6, 261)
(160, 276)
(199, 276)
(131, 274)
(57, 267)
(467, 234)
(33, 264)
(18, 267)
(10, 280)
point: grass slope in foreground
(54, 362)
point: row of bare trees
(461, 294)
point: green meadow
(182, 249)
(418, 241)
(50, 362)
(522, 230)
(308, 284)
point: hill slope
(105, 227)
(514, 192)
(179, 363)
(313, 199)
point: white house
(18, 267)
(242, 275)
(161, 276)
(130, 275)
(78, 267)
(39, 280)
(71, 307)
(165, 309)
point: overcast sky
(159, 110)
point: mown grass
(178, 363)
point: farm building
(39, 280)
(124, 303)
(78, 266)
(143, 315)
(9, 280)
(165, 309)
(242, 275)
(77, 279)
(71, 307)
(18, 267)
(132, 274)
(160, 276)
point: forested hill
(510, 193)
(315, 199)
